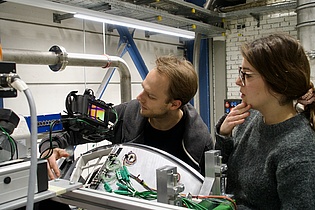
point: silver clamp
(168, 187)
(215, 180)
(63, 58)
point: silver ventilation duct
(58, 59)
(306, 29)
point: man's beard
(153, 115)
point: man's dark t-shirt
(169, 141)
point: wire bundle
(125, 187)
(13, 145)
(211, 202)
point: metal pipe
(29, 57)
(196, 58)
(57, 59)
(306, 23)
(306, 28)
(207, 4)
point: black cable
(50, 149)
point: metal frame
(131, 48)
(201, 63)
(97, 200)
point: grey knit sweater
(270, 166)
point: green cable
(124, 187)
(225, 205)
(116, 115)
(193, 205)
(123, 192)
(127, 190)
(107, 187)
(12, 143)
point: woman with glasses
(269, 145)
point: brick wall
(246, 29)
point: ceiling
(180, 13)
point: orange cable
(108, 64)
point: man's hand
(52, 167)
(235, 117)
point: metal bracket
(168, 188)
(127, 37)
(7, 70)
(63, 58)
(57, 18)
(147, 34)
(311, 54)
(213, 183)
(256, 16)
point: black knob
(7, 180)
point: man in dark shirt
(160, 116)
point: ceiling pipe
(209, 5)
(58, 59)
(306, 23)
(196, 59)
(306, 28)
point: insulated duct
(58, 59)
(306, 29)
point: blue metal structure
(126, 37)
(197, 2)
(204, 82)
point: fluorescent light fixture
(146, 26)
(88, 14)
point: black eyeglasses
(242, 75)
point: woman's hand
(52, 167)
(235, 117)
